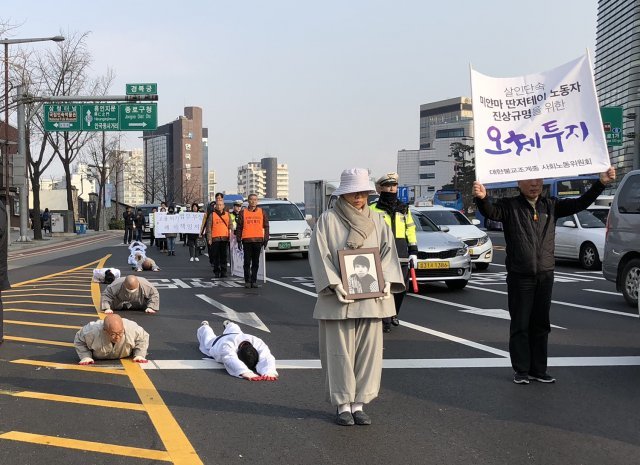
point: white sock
(356, 406)
(344, 408)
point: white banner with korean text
(183, 222)
(542, 125)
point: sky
(322, 86)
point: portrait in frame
(361, 272)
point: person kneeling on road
(130, 293)
(241, 354)
(111, 338)
(145, 263)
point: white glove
(139, 359)
(341, 294)
(86, 361)
(413, 260)
(387, 292)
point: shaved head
(131, 282)
(113, 323)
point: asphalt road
(446, 397)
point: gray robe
(115, 296)
(329, 236)
(92, 341)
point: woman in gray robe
(350, 332)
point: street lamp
(6, 43)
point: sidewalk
(47, 240)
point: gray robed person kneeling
(350, 332)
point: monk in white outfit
(111, 338)
(351, 330)
(243, 355)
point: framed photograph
(361, 273)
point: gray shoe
(361, 418)
(345, 419)
(546, 378)
(520, 378)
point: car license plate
(470, 251)
(432, 265)
(284, 245)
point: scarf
(389, 202)
(359, 222)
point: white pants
(206, 336)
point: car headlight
(462, 251)
(483, 240)
(307, 233)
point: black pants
(529, 305)
(152, 238)
(128, 234)
(399, 297)
(251, 260)
(139, 234)
(218, 257)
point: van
(289, 231)
(621, 262)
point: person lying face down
(130, 293)
(111, 338)
(145, 263)
(242, 355)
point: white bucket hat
(354, 180)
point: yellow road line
(72, 304)
(76, 400)
(46, 325)
(90, 446)
(175, 441)
(69, 366)
(38, 341)
(52, 295)
(24, 310)
(61, 273)
(27, 289)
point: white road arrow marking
(248, 318)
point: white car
(289, 231)
(581, 237)
(479, 243)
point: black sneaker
(546, 378)
(520, 378)
(386, 327)
(395, 321)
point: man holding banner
(527, 128)
(252, 233)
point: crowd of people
(354, 305)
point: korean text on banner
(190, 222)
(538, 126)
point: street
(447, 394)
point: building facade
(252, 180)
(176, 160)
(282, 181)
(617, 74)
(445, 119)
(211, 185)
(128, 177)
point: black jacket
(129, 218)
(139, 221)
(530, 243)
(4, 230)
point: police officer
(398, 217)
(237, 206)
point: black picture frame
(358, 286)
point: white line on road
(418, 327)
(310, 364)
(567, 304)
(245, 318)
(603, 292)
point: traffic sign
(138, 116)
(100, 117)
(142, 88)
(612, 124)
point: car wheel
(630, 280)
(456, 284)
(305, 254)
(589, 259)
(481, 266)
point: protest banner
(190, 222)
(541, 125)
(166, 223)
(237, 261)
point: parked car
(441, 256)
(289, 231)
(479, 243)
(581, 237)
(621, 262)
(600, 211)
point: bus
(571, 186)
(449, 199)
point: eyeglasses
(114, 334)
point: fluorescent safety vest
(405, 228)
(252, 226)
(220, 224)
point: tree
(464, 170)
(100, 154)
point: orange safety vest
(252, 225)
(220, 224)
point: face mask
(388, 197)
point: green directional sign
(100, 117)
(612, 124)
(138, 116)
(142, 88)
(62, 117)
